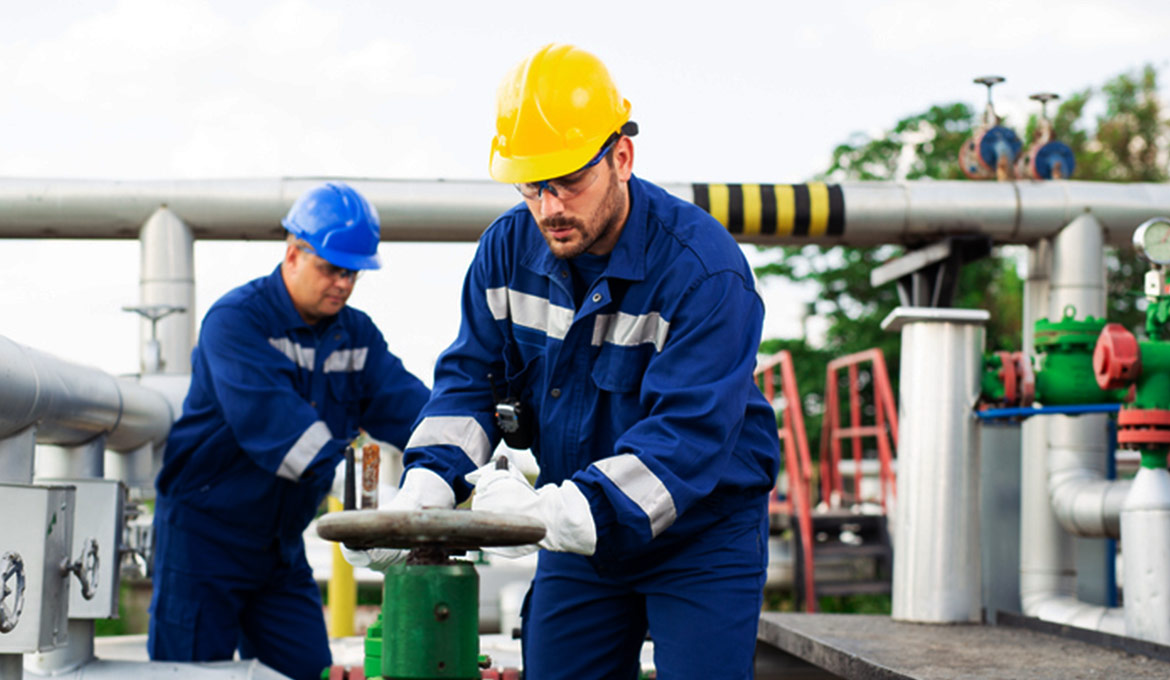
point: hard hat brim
(523, 169)
(350, 260)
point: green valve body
(1065, 376)
(1153, 385)
(430, 622)
(373, 648)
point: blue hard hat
(340, 225)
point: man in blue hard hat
(283, 377)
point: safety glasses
(571, 185)
(329, 269)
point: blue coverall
(272, 404)
(643, 396)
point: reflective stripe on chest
(539, 314)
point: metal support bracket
(927, 276)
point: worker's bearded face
(317, 291)
(589, 222)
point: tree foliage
(1126, 141)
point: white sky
(725, 92)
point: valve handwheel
(448, 529)
(11, 590)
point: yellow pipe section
(342, 589)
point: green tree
(1127, 142)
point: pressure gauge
(1152, 240)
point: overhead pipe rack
(853, 213)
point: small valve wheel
(1116, 358)
(85, 568)
(11, 590)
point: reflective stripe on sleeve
(497, 301)
(347, 360)
(631, 476)
(461, 431)
(304, 450)
(629, 330)
(298, 354)
(530, 311)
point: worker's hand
(421, 489)
(562, 509)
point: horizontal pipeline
(71, 405)
(854, 213)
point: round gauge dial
(1152, 240)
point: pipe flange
(1009, 377)
(1117, 360)
(1143, 428)
(1027, 378)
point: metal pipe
(167, 278)
(11, 666)
(1145, 523)
(937, 571)
(1062, 476)
(85, 461)
(71, 404)
(856, 213)
(1047, 567)
(17, 464)
(1084, 501)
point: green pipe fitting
(1065, 375)
(1153, 383)
(1067, 333)
(373, 648)
(430, 622)
(990, 382)
(1158, 317)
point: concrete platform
(878, 648)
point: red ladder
(884, 428)
(796, 459)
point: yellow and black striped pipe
(813, 209)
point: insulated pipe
(1062, 476)
(17, 463)
(855, 213)
(167, 277)
(71, 404)
(1047, 565)
(86, 461)
(1084, 501)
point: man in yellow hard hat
(612, 328)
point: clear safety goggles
(571, 185)
(329, 269)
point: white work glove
(563, 510)
(421, 488)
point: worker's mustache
(561, 221)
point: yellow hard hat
(553, 113)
